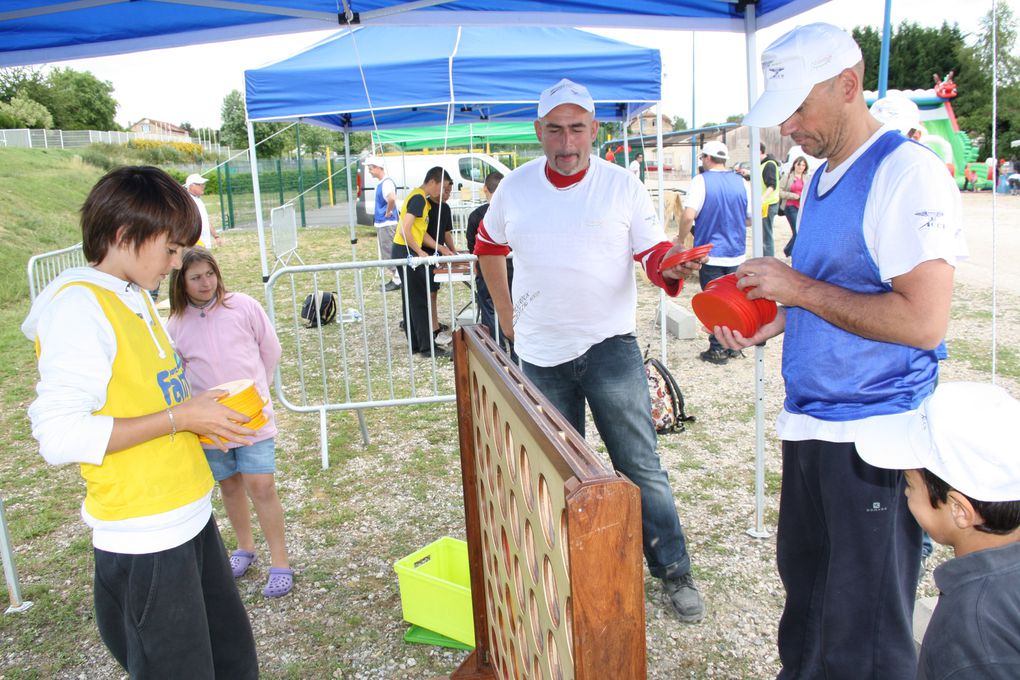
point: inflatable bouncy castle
(942, 134)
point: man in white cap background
(386, 216)
(716, 209)
(864, 305)
(576, 224)
(959, 454)
(195, 184)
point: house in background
(161, 130)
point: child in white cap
(962, 467)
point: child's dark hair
(178, 280)
(437, 174)
(1001, 517)
(492, 180)
(146, 202)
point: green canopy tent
(464, 135)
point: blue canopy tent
(454, 75)
(35, 31)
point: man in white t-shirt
(386, 214)
(195, 184)
(577, 224)
(864, 306)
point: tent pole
(257, 197)
(883, 59)
(660, 179)
(758, 530)
(352, 217)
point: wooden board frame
(575, 609)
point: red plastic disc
(685, 256)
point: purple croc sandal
(281, 580)
(240, 560)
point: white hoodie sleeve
(78, 346)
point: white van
(468, 171)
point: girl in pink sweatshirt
(222, 337)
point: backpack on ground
(668, 413)
(319, 309)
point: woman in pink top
(790, 189)
(222, 337)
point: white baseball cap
(565, 92)
(898, 111)
(794, 64)
(715, 149)
(964, 433)
(194, 179)
(375, 160)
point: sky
(188, 84)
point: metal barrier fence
(74, 139)
(10, 572)
(364, 361)
(44, 268)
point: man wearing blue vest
(716, 208)
(387, 214)
(864, 305)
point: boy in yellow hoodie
(112, 397)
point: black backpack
(668, 412)
(319, 309)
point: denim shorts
(259, 458)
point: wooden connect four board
(554, 534)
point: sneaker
(683, 596)
(734, 354)
(441, 353)
(391, 286)
(714, 356)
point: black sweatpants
(414, 302)
(848, 552)
(175, 613)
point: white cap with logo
(715, 149)
(897, 111)
(194, 179)
(374, 160)
(794, 64)
(964, 433)
(565, 92)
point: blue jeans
(791, 211)
(611, 377)
(707, 274)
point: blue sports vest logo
(173, 383)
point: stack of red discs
(723, 304)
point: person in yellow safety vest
(769, 199)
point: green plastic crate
(435, 589)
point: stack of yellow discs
(243, 398)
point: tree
(915, 53)
(78, 100)
(17, 79)
(23, 112)
(234, 131)
(735, 118)
(973, 106)
(679, 123)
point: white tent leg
(758, 530)
(660, 179)
(10, 572)
(257, 197)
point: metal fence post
(300, 175)
(230, 194)
(279, 180)
(10, 572)
(318, 186)
(221, 189)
